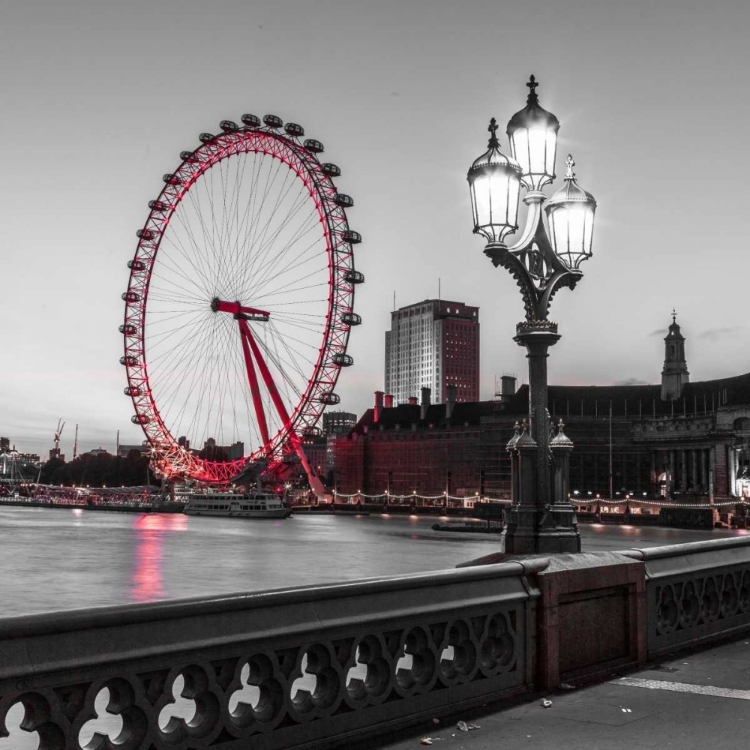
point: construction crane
(58, 434)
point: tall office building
(433, 344)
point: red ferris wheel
(240, 301)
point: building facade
(433, 344)
(629, 440)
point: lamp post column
(537, 337)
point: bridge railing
(292, 668)
(696, 592)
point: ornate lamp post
(543, 261)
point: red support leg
(253, 380)
(281, 409)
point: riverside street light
(541, 518)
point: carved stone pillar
(694, 470)
(520, 535)
(671, 478)
(559, 527)
(704, 469)
(683, 470)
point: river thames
(54, 559)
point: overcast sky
(99, 98)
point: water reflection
(147, 579)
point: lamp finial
(494, 143)
(569, 164)
(532, 84)
(674, 315)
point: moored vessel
(228, 504)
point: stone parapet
(312, 667)
(325, 666)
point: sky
(99, 98)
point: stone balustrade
(293, 668)
(325, 666)
(695, 592)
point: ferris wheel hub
(240, 312)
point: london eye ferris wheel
(240, 300)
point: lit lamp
(542, 261)
(532, 134)
(494, 182)
(570, 215)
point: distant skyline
(99, 99)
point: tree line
(103, 470)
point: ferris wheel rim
(338, 249)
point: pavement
(693, 700)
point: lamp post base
(531, 531)
(541, 520)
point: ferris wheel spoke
(198, 256)
(205, 390)
(274, 262)
(220, 221)
(293, 360)
(235, 254)
(263, 196)
(173, 385)
(286, 366)
(263, 243)
(260, 242)
(290, 286)
(306, 224)
(159, 334)
(207, 252)
(181, 277)
(163, 359)
(295, 285)
(194, 259)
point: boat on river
(230, 505)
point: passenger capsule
(189, 157)
(140, 419)
(294, 130)
(351, 319)
(128, 329)
(132, 391)
(355, 277)
(158, 206)
(329, 398)
(172, 179)
(251, 121)
(343, 200)
(136, 264)
(228, 126)
(205, 137)
(343, 360)
(330, 169)
(352, 237)
(313, 146)
(145, 234)
(131, 297)
(272, 121)
(129, 360)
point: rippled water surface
(69, 558)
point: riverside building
(686, 440)
(433, 344)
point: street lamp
(542, 262)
